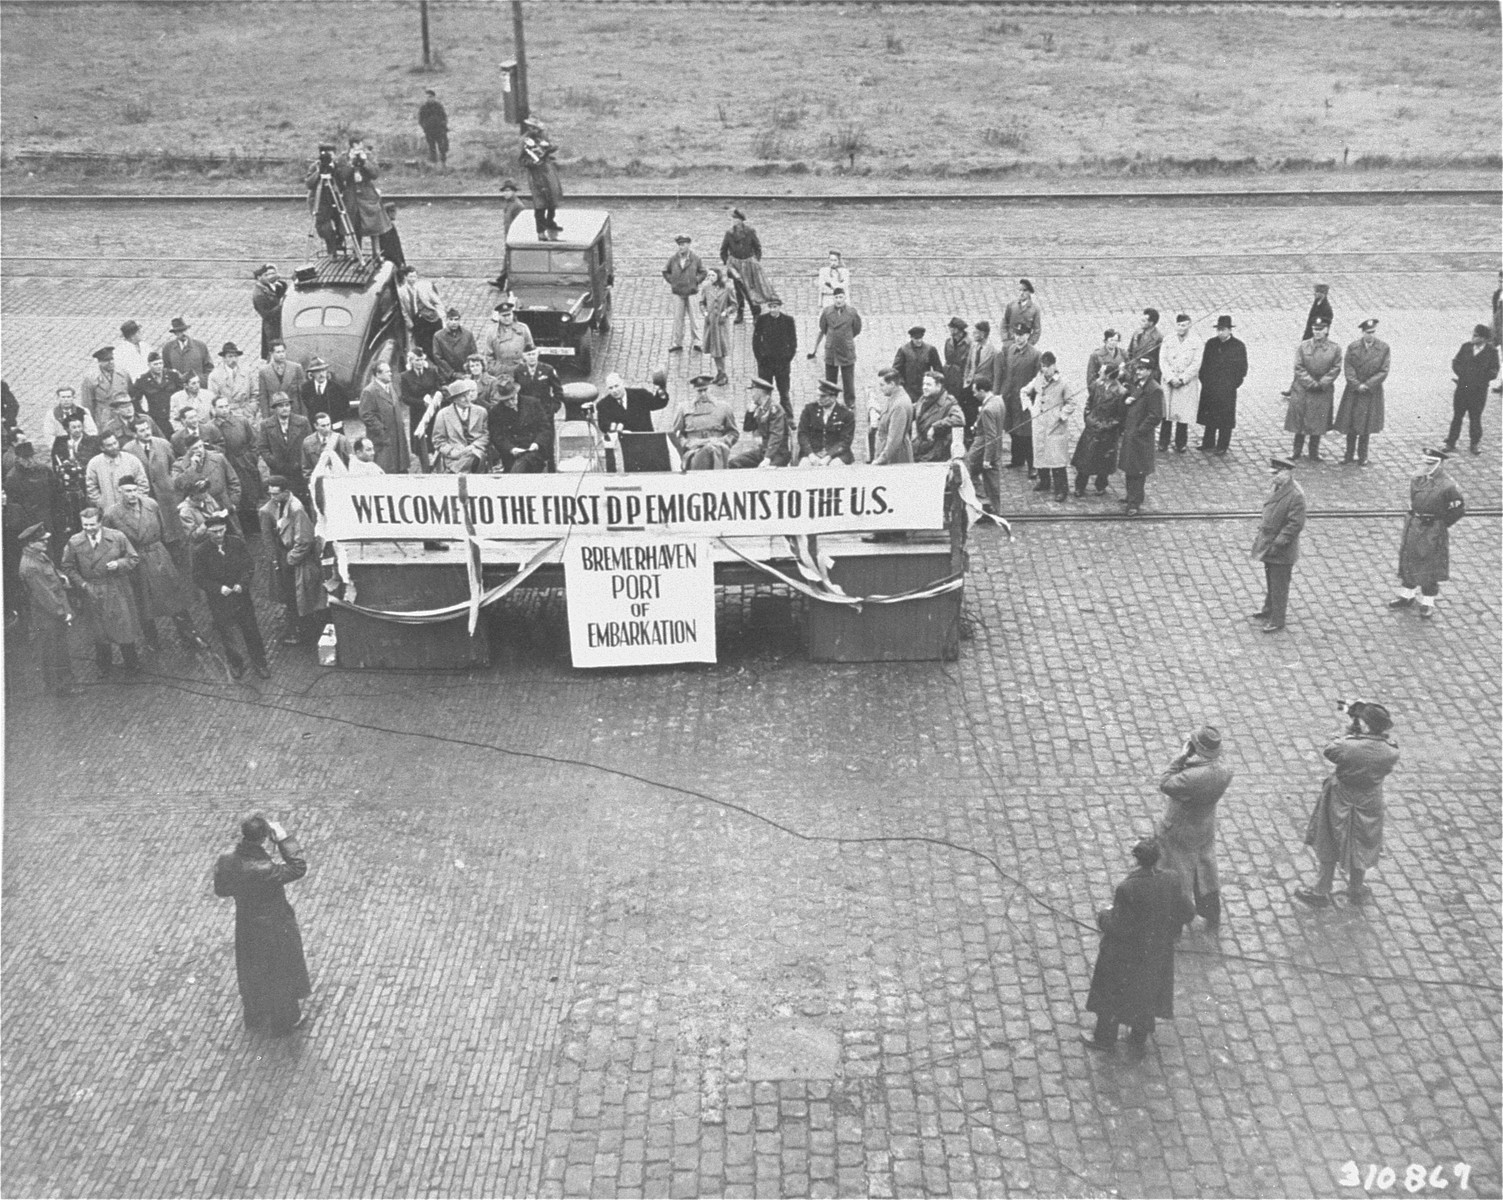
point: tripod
(347, 230)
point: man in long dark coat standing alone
(1277, 543)
(1435, 504)
(1133, 983)
(269, 963)
(1223, 367)
(1474, 367)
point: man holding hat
(98, 563)
(705, 431)
(321, 393)
(1346, 828)
(1133, 981)
(1474, 367)
(196, 507)
(223, 570)
(232, 379)
(1223, 367)
(507, 342)
(1320, 310)
(267, 296)
(774, 347)
(1312, 394)
(684, 274)
(630, 409)
(185, 355)
(1194, 782)
(105, 392)
(1276, 545)
(1435, 504)
(1361, 412)
(914, 359)
(461, 433)
(770, 447)
(51, 614)
(825, 430)
(129, 356)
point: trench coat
(957, 355)
(1051, 404)
(161, 591)
(1096, 451)
(718, 304)
(187, 357)
(156, 457)
(1029, 314)
(1134, 975)
(1015, 368)
(1347, 825)
(1317, 367)
(385, 428)
(1179, 358)
(1362, 412)
(894, 441)
(362, 199)
(1144, 410)
(1223, 367)
(1187, 834)
(1435, 504)
(296, 556)
(240, 449)
(109, 609)
(269, 962)
(1277, 540)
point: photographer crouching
(1346, 828)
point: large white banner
(635, 600)
(701, 503)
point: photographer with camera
(1194, 782)
(1346, 828)
(323, 200)
(356, 176)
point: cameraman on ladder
(330, 220)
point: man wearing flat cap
(185, 354)
(1474, 367)
(1276, 545)
(1346, 828)
(267, 296)
(1194, 782)
(51, 614)
(914, 359)
(1320, 310)
(684, 274)
(1133, 981)
(1435, 504)
(705, 431)
(1361, 413)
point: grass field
(657, 92)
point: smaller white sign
(639, 600)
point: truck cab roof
(581, 227)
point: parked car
(563, 286)
(347, 313)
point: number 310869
(1416, 1177)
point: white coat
(1179, 360)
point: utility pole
(523, 109)
(423, 16)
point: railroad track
(1249, 514)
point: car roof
(581, 227)
(346, 274)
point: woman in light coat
(718, 302)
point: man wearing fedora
(1194, 782)
(684, 274)
(1346, 828)
(1223, 367)
(233, 380)
(322, 393)
(184, 354)
(267, 296)
(130, 356)
(51, 614)
(1276, 545)
(1133, 981)
(1435, 504)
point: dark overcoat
(1140, 429)
(1317, 367)
(1361, 412)
(1474, 370)
(1347, 825)
(1223, 367)
(269, 961)
(1283, 520)
(1096, 451)
(1134, 975)
(1435, 504)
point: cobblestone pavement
(781, 928)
